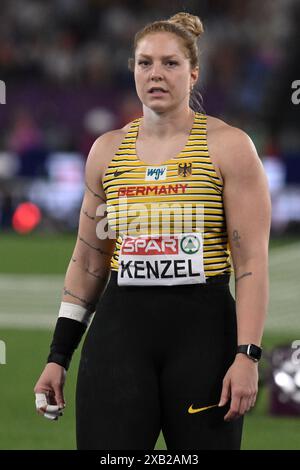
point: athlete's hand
(49, 398)
(240, 384)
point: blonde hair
(187, 27)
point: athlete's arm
(248, 212)
(85, 279)
(89, 265)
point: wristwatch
(251, 350)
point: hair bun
(189, 22)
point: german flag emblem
(184, 169)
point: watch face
(254, 352)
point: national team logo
(190, 244)
(156, 173)
(184, 169)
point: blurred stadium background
(64, 63)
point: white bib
(161, 260)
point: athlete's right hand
(49, 398)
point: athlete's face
(161, 61)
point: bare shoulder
(230, 147)
(219, 131)
(104, 149)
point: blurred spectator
(96, 122)
(6, 208)
(26, 140)
(65, 67)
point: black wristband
(251, 350)
(66, 338)
(60, 359)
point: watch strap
(251, 350)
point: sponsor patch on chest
(156, 173)
(168, 259)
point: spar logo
(144, 245)
(190, 244)
(150, 246)
(167, 259)
(155, 173)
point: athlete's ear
(195, 75)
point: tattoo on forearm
(242, 275)
(236, 237)
(89, 216)
(93, 274)
(87, 304)
(89, 272)
(95, 194)
(94, 247)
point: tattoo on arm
(94, 247)
(93, 274)
(89, 272)
(243, 275)
(89, 216)
(87, 304)
(93, 192)
(236, 238)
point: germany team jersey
(182, 195)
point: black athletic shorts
(150, 353)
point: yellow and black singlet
(169, 218)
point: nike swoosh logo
(197, 410)
(118, 173)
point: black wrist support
(66, 338)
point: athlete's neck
(164, 125)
